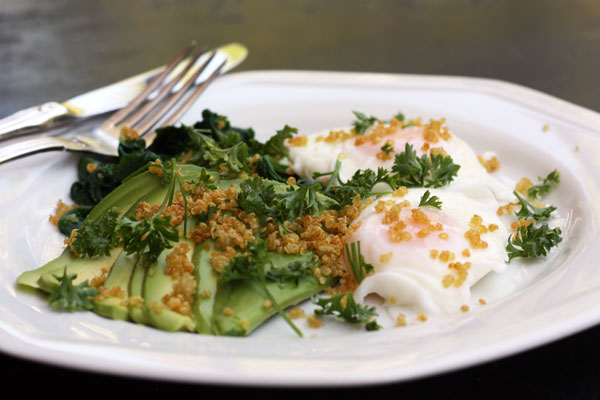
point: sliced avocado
(137, 312)
(206, 290)
(119, 275)
(85, 269)
(122, 270)
(246, 299)
(122, 198)
(158, 284)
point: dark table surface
(56, 49)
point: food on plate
(426, 254)
(372, 143)
(209, 230)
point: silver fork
(144, 114)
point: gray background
(53, 50)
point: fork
(147, 112)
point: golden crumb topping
(491, 165)
(298, 141)
(60, 210)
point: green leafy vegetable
(387, 148)
(435, 171)
(432, 201)
(94, 184)
(274, 146)
(252, 267)
(399, 116)
(361, 183)
(292, 273)
(346, 308)
(357, 261)
(259, 196)
(73, 219)
(542, 190)
(69, 297)
(531, 242)
(528, 210)
(362, 122)
(150, 236)
(97, 237)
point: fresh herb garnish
(542, 190)
(260, 197)
(97, 237)
(435, 170)
(528, 210)
(432, 201)
(387, 148)
(252, 267)
(150, 236)
(69, 297)
(531, 242)
(344, 306)
(292, 272)
(362, 122)
(359, 267)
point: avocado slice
(122, 270)
(246, 298)
(122, 199)
(137, 312)
(206, 290)
(156, 285)
(119, 275)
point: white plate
(535, 305)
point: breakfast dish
(213, 231)
(491, 329)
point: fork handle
(31, 118)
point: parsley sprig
(432, 201)
(528, 210)
(252, 267)
(435, 170)
(530, 241)
(150, 236)
(260, 197)
(543, 189)
(362, 122)
(70, 297)
(344, 306)
(408, 170)
(97, 237)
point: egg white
(318, 155)
(412, 277)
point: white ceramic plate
(527, 306)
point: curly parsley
(344, 307)
(531, 242)
(69, 297)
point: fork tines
(146, 112)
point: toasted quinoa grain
(60, 210)
(401, 320)
(314, 322)
(421, 317)
(523, 185)
(296, 313)
(464, 308)
(298, 141)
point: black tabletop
(55, 50)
